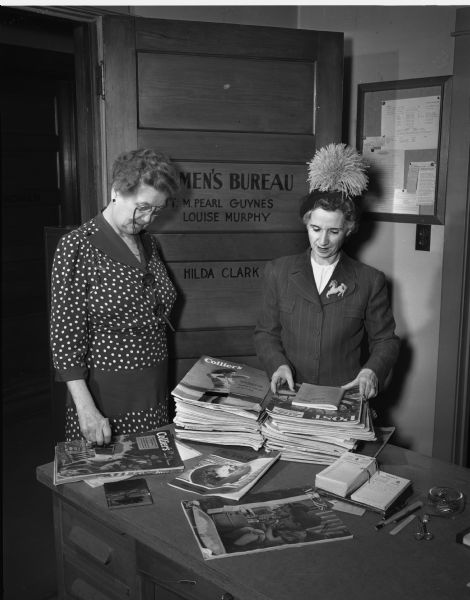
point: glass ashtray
(446, 501)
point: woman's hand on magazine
(281, 376)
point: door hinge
(100, 79)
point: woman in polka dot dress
(111, 300)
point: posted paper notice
(411, 123)
(387, 167)
(426, 186)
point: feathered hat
(336, 169)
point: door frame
(89, 102)
(90, 114)
(452, 409)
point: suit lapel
(108, 241)
(342, 282)
(301, 277)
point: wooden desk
(149, 552)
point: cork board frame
(403, 134)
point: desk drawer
(84, 583)
(166, 580)
(102, 547)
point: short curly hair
(330, 201)
(144, 166)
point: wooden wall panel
(225, 145)
(190, 37)
(224, 93)
(190, 343)
(217, 294)
(243, 246)
(328, 89)
(120, 86)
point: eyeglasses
(148, 210)
(144, 211)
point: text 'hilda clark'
(233, 272)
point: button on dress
(108, 326)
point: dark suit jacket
(320, 337)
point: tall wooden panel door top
(240, 109)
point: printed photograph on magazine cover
(219, 376)
(240, 529)
(349, 409)
(215, 474)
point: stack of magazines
(316, 434)
(221, 402)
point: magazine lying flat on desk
(222, 529)
(227, 474)
(128, 493)
(135, 453)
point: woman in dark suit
(319, 305)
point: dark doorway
(39, 189)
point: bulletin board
(403, 135)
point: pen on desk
(401, 514)
(402, 524)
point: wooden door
(241, 109)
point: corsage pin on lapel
(336, 288)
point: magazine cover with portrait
(220, 376)
(221, 475)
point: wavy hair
(144, 167)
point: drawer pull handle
(84, 591)
(91, 545)
(173, 581)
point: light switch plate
(423, 237)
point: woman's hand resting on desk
(367, 383)
(94, 427)
(281, 376)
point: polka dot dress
(131, 422)
(108, 325)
